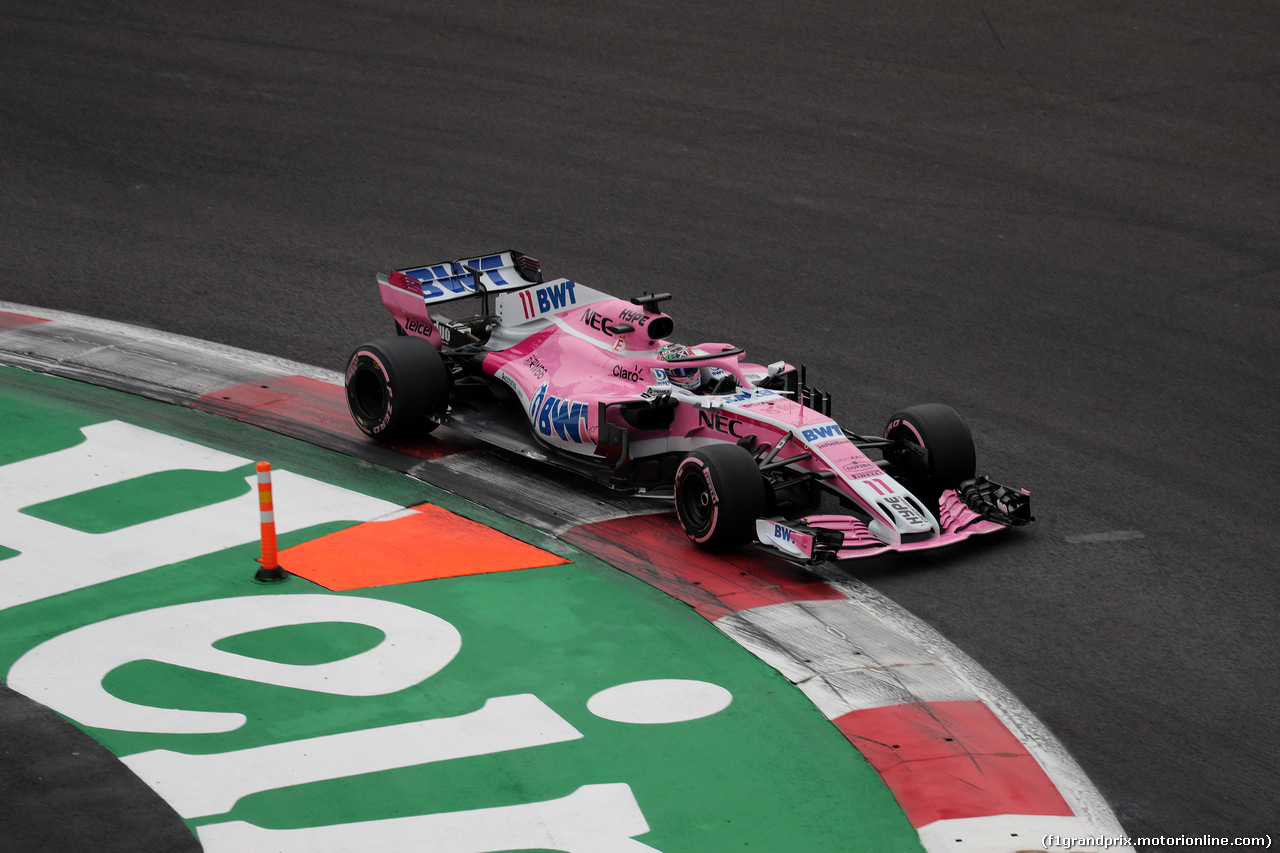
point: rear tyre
(720, 493)
(937, 452)
(395, 386)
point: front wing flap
(977, 507)
(994, 502)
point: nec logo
(595, 320)
(827, 431)
(720, 423)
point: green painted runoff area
(766, 773)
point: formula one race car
(562, 373)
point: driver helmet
(686, 376)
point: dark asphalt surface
(1061, 218)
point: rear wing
(450, 280)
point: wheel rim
(368, 394)
(695, 502)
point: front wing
(977, 507)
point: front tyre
(395, 386)
(935, 450)
(720, 493)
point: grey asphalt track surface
(1060, 218)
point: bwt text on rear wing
(450, 280)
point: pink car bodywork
(591, 374)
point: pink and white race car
(562, 373)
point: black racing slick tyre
(395, 386)
(719, 493)
(936, 451)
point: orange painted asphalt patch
(431, 543)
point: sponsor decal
(635, 318)
(629, 374)
(536, 367)
(416, 326)
(511, 383)
(595, 320)
(741, 396)
(720, 422)
(789, 541)
(759, 397)
(858, 464)
(553, 416)
(552, 297)
(824, 431)
(440, 280)
(659, 376)
(904, 509)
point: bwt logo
(453, 279)
(565, 419)
(782, 534)
(739, 396)
(553, 297)
(556, 296)
(828, 431)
